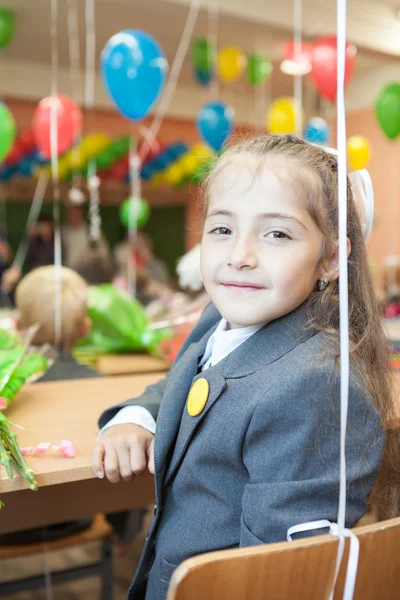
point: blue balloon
(161, 161)
(6, 172)
(177, 150)
(215, 123)
(25, 167)
(134, 70)
(317, 131)
(147, 172)
(203, 77)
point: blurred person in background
(40, 252)
(75, 235)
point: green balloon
(387, 109)
(203, 55)
(104, 159)
(7, 131)
(120, 147)
(259, 68)
(141, 212)
(7, 26)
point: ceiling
(165, 20)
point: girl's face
(260, 247)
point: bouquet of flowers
(18, 364)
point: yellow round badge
(198, 396)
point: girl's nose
(242, 256)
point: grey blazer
(263, 455)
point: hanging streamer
(298, 78)
(173, 78)
(54, 169)
(93, 180)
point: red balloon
(15, 155)
(119, 169)
(27, 141)
(69, 124)
(324, 65)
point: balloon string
(93, 180)
(54, 168)
(74, 51)
(213, 18)
(298, 78)
(173, 77)
(343, 295)
(134, 172)
(33, 215)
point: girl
(247, 440)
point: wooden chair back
(300, 570)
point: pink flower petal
(42, 447)
(3, 403)
(67, 448)
(25, 451)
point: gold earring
(322, 284)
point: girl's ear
(332, 265)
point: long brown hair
(313, 171)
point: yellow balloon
(231, 63)
(281, 117)
(94, 143)
(64, 166)
(189, 163)
(201, 151)
(358, 152)
(173, 174)
(77, 158)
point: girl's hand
(123, 451)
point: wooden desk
(68, 489)
(130, 364)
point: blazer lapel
(189, 424)
(180, 381)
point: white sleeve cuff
(137, 415)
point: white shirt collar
(222, 342)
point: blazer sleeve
(152, 395)
(291, 452)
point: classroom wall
(385, 174)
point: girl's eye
(277, 235)
(221, 231)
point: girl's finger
(111, 465)
(150, 455)
(138, 459)
(124, 461)
(97, 460)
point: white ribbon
(339, 528)
(363, 192)
(354, 549)
(361, 185)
